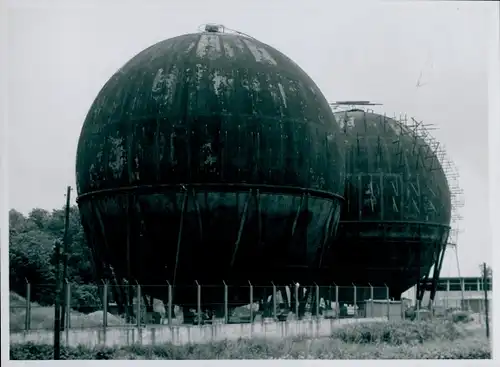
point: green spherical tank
(395, 221)
(209, 157)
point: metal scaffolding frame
(434, 158)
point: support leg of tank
(316, 302)
(188, 315)
(293, 302)
(303, 301)
(241, 227)
(179, 236)
(198, 214)
(122, 299)
(329, 299)
(119, 296)
(435, 276)
(130, 302)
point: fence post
(27, 315)
(297, 286)
(226, 315)
(251, 304)
(337, 314)
(68, 304)
(317, 300)
(198, 301)
(138, 311)
(388, 302)
(371, 300)
(403, 316)
(274, 302)
(105, 304)
(355, 301)
(169, 313)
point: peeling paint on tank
(344, 122)
(219, 81)
(157, 81)
(283, 94)
(200, 70)
(164, 85)
(161, 147)
(210, 159)
(292, 86)
(201, 49)
(91, 173)
(228, 50)
(256, 85)
(208, 46)
(136, 172)
(239, 44)
(260, 53)
(172, 148)
(245, 84)
(190, 47)
(274, 95)
(116, 158)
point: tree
(31, 254)
(489, 271)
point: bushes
(394, 340)
(397, 333)
(258, 349)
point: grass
(392, 340)
(43, 317)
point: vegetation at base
(32, 257)
(393, 340)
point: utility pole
(485, 288)
(57, 308)
(65, 256)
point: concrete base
(179, 335)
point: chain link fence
(125, 306)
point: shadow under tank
(395, 220)
(209, 157)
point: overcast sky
(60, 57)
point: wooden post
(57, 307)
(337, 301)
(371, 299)
(251, 303)
(355, 301)
(317, 302)
(105, 304)
(169, 314)
(297, 300)
(27, 321)
(198, 301)
(388, 303)
(65, 254)
(138, 311)
(226, 314)
(274, 302)
(68, 304)
(486, 311)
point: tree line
(32, 256)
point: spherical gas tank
(396, 216)
(209, 108)
(209, 151)
(393, 174)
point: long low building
(464, 293)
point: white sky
(60, 57)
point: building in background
(464, 293)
